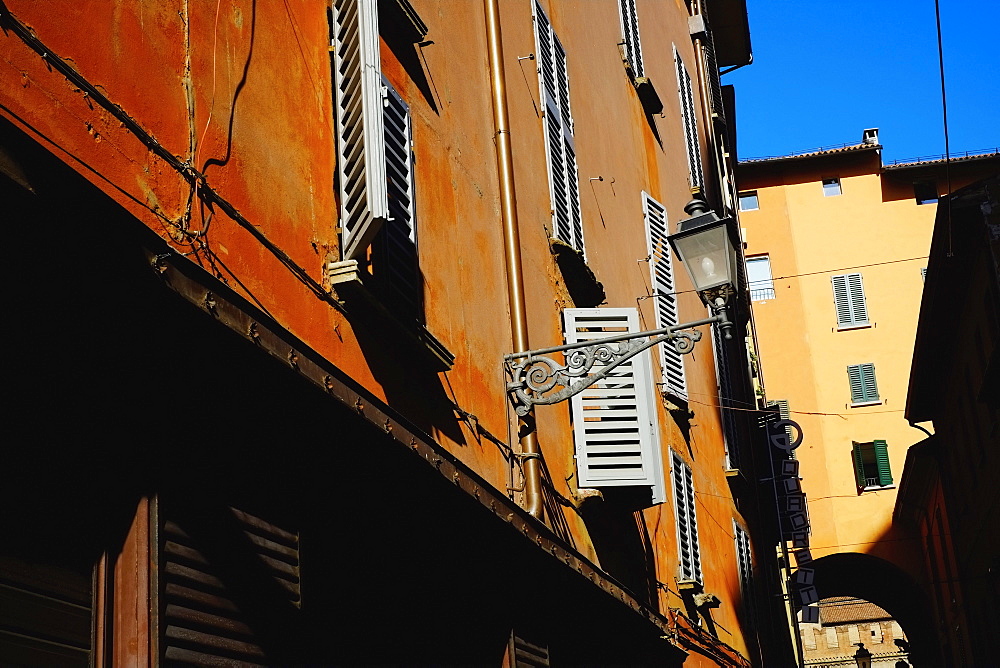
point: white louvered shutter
(689, 118)
(614, 421)
(630, 36)
(564, 179)
(849, 297)
(744, 558)
(360, 133)
(689, 553)
(662, 277)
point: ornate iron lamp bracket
(535, 377)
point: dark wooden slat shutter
(882, 462)
(45, 615)
(527, 654)
(206, 618)
(859, 465)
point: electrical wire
(944, 113)
(789, 276)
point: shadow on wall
(889, 587)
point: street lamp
(862, 657)
(704, 244)
(705, 247)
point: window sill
(348, 280)
(859, 325)
(877, 488)
(862, 404)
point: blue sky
(824, 71)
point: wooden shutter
(849, 297)
(394, 251)
(662, 276)
(630, 36)
(859, 464)
(525, 653)
(744, 560)
(728, 405)
(45, 613)
(614, 421)
(564, 188)
(226, 579)
(712, 70)
(689, 554)
(689, 117)
(882, 463)
(862, 382)
(360, 155)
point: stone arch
(888, 586)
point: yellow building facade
(836, 247)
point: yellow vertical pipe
(530, 464)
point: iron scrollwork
(534, 377)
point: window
(849, 298)
(923, 273)
(614, 421)
(831, 638)
(744, 560)
(871, 465)
(728, 405)
(630, 36)
(759, 278)
(394, 249)
(862, 381)
(687, 524)
(359, 119)
(689, 117)
(831, 187)
(925, 192)
(662, 276)
(748, 200)
(564, 181)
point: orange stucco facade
(241, 93)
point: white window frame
(746, 194)
(614, 421)
(689, 557)
(689, 118)
(760, 289)
(832, 187)
(629, 19)
(664, 285)
(557, 123)
(849, 301)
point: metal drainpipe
(530, 464)
(705, 90)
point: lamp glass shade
(708, 255)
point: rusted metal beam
(230, 309)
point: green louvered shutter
(859, 464)
(862, 381)
(882, 461)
